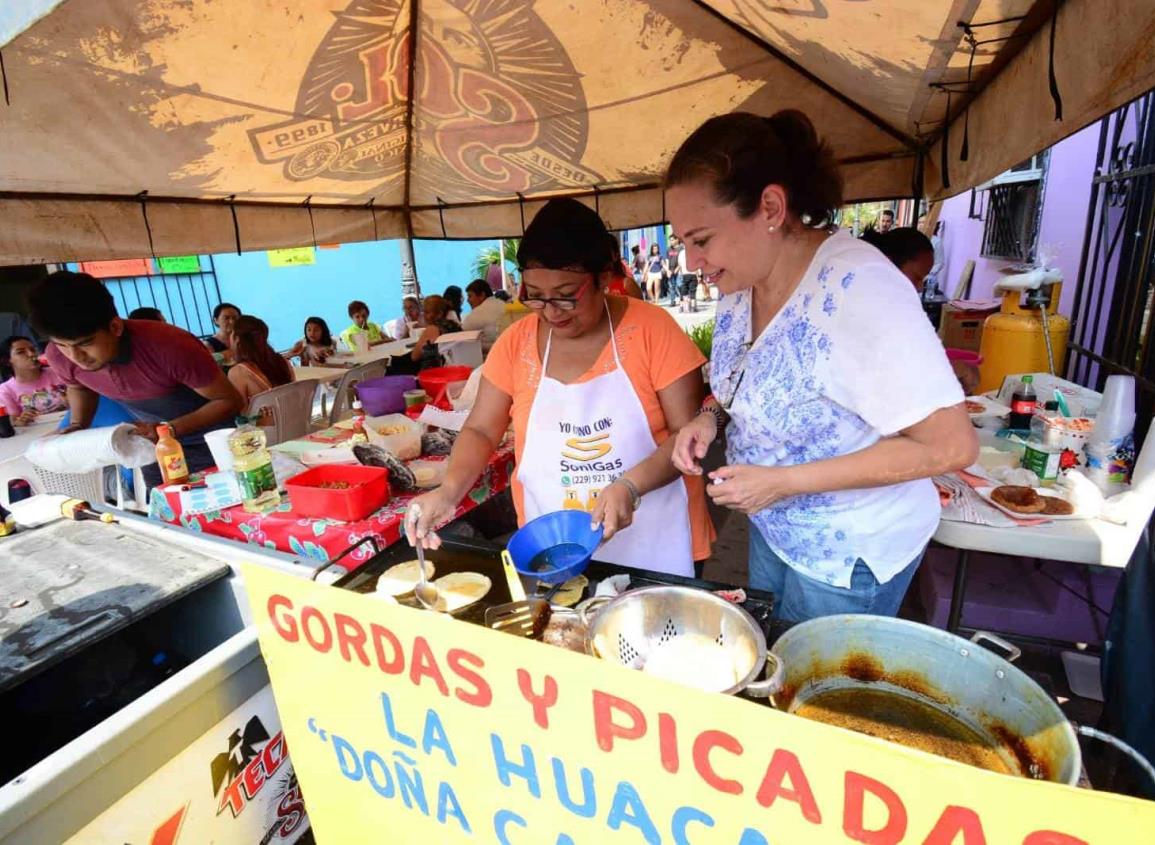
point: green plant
(703, 337)
(487, 256)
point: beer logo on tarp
(499, 107)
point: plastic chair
(374, 369)
(291, 409)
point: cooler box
(136, 697)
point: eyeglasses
(735, 379)
(561, 303)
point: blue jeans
(799, 597)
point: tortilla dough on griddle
(571, 591)
(461, 589)
(400, 579)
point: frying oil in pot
(906, 721)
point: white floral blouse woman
(837, 396)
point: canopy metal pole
(409, 284)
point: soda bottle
(254, 467)
(6, 429)
(1023, 404)
(170, 456)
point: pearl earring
(771, 229)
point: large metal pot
(626, 629)
(1008, 710)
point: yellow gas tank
(1013, 340)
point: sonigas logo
(587, 449)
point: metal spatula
(526, 618)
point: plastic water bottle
(253, 465)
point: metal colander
(627, 629)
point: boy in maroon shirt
(161, 373)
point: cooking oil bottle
(253, 465)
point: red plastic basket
(369, 491)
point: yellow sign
(292, 257)
(411, 727)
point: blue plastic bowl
(554, 547)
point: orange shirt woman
(594, 386)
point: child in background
(31, 389)
(359, 313)
(316, 346)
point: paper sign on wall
(292, 257)
(434, 730)
(120, 268)
(179, 264)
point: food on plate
(571, 591)
(400, 579)
(974, 407)
(461, 589)
(1018, 499)
(565, 630)
(693, 660)
(1054, 506)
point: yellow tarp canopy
(154, 126)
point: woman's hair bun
(739, 154)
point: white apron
(579, 438)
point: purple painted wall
(1064, 220)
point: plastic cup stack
(1110, 447)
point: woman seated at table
(259, 367)
(840, 402)
(437, 322)
(316, 347)
(594, 386)
(224, 316)
(31, 389)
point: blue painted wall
(285, 296)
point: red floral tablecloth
(323, 539)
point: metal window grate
(1114, 296)
(186, 299)
(1011, 229)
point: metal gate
(1113, 298)
(186, 299)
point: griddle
(455, 555)
(461, 555)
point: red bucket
(436, 380)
